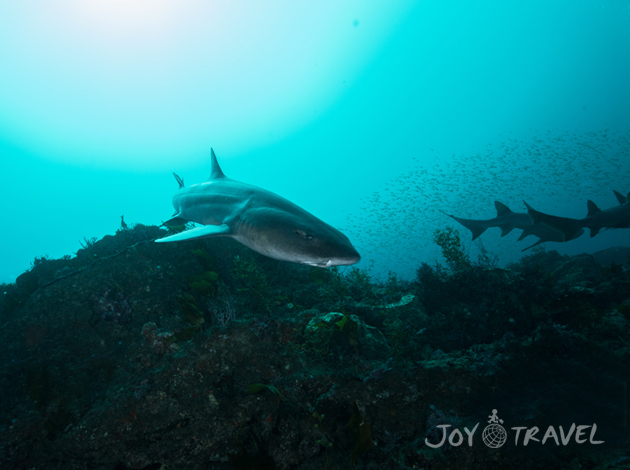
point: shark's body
(595, 220)
(262, 220)
(507, 221)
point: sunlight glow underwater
(135, 82)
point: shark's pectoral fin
(540, 240)
(526, 233)
(199, 232)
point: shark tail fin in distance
(533, 213)
(473, 225)
(568, 227)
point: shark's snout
(347, 260)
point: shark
(259, 219)
(507, 220)
(596, 219)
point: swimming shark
(507, 220)
(595, 220)
(265, 222)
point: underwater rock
(566, 270)
(83, 394)
(159, 341)
(110, 306)
(367, 341)
(619, 255)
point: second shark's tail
(568, 227)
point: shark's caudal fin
(199, 232)
(568, 227)
(475, 226)
(216, 172)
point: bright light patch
(134, 83)
(127, 16)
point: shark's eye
(306, 236)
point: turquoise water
(371, 115)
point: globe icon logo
(494, 436)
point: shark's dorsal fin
(592, 208)
(216, 169)
(620, 197)
(179, 180)
(502, 209)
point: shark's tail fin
(477, 227)
(568, 227)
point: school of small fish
(556, 172)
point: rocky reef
(205, 355)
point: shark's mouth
(322, 264)
(326, 264)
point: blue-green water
(371, 115)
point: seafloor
(205, 355)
